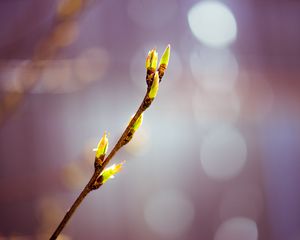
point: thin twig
(75, 205)
(89, 187)
(153, 78)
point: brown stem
(119, 144)
(74, 206)
(89, 187)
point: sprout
(154, 87)
(138, 123)
(165, 57)
(102, 146)
(111, 171)
(151, 60)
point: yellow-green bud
(151, 60)
(148, 60)
(154, 87)
(111, 171)
(138, 123)
(165, 57)
(102, 146)
(153, 64)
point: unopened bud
(151, 60)
(102, 146)
(111, 171)
(138, 123)
(154, 87)
(165, 57)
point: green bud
(151, 60)
(148, 60)
(154, 87)
(165, 57)
(153, 64)
(111, 171)
(138, 123)
(102, 146)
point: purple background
(90, 86)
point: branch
(99, 176)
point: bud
(153, 64)
(165, 57)
(102, 146)
(133, 129)
(111, 171)
(154, 87)
(148, 59)
(151, 60)
(138, 123)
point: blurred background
(218, 154)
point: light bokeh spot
(169, 213)
(214, 69)
(223, 153)
(212, 23)
(238, 228)
(215, 109)
(56, 77)
(91, 64)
